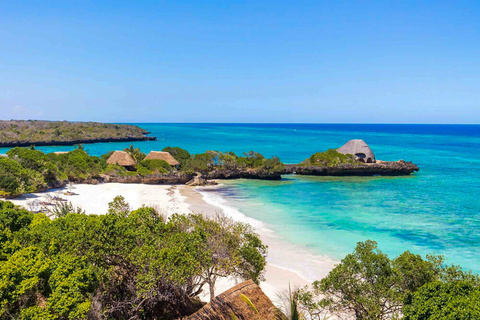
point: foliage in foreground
(369, 285)
(122, 265)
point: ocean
(436, 210)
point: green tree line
(27, 170)
(121, 265)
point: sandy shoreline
(302, 269)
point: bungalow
(121, 158)
(359, 149)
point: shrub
(155, 166)
(330, 158)
(180, 154)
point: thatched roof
(162, 155)
(359, 148)
(222, 307)
(121, 158)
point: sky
(241, 61)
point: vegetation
(369, 285)
(153, 166)
(330, 158)
(212, 160)
(27, 170)
(180, 154)
(20, 132)
(122, 265)
(135, 153)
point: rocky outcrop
(198, 181)
(383, 168)
(231, 302)
(243, 174)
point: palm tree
(289, 310)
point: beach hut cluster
(359, 149)
(122, 158)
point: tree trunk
(212, 290)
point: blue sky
(241, 61)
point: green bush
(154, 166)
(16, 180)
(330, 158)
(181, 155)
(77, 164)
(444, 301)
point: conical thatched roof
(162, 155)
(121, 158)
(222, 307)
(359, 148)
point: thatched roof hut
(231, 302)
(121, 158)
(359, 149)
(162, 155)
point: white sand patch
(94, 199)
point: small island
(25, 133)
(355, 158)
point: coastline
(169, 199)
(72, 142)
(302, 267)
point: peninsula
(25, 133)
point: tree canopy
(119, 265)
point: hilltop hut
(121, 158)
(162, 155)
(359, 149)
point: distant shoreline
(72, 142)
(25, 133)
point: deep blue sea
(436, 210)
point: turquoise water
(436, 210)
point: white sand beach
(302, 267)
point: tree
(24, 275)
(232, 249)
(61, 209)
(181, 155)
(135, 153)
(124, 265)
(119, 206)
(369, 285)
(444, 301)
